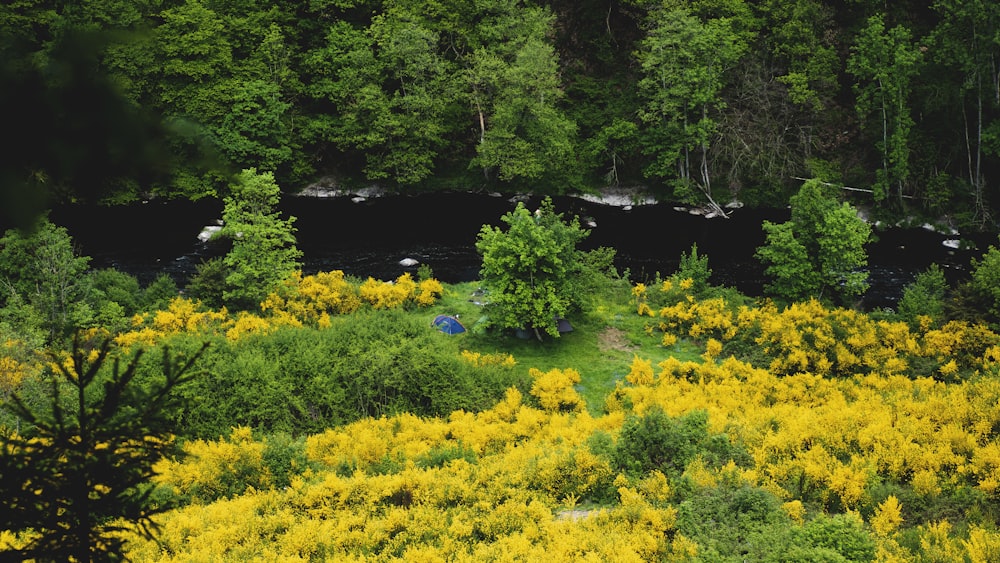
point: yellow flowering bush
(182, 315)
(839, 412)
(310, 300)
(555, 389)
(478, 359)
(428, 292)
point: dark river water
(370, 237)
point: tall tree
(820, 251)
(685, 58)
(885, 61)
(264, 251)
(41, 268)
(966, 44)
(781, 110)
(523, 134)
(195, 89)
(394, 93)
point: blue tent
(448, 325)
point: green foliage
(694, 268)
(159, 293)
(734, 522)
(208, 284)
(986, 279)
(43, 270)
(737, 522)
(285, 457)
(885, 62)
(530, 267)
(86, 458)
(820, 251)
(524, 135)
(116, 296)
(684, 59)
(656, 441)
(110, 285)
(303, 380)
(441, 455)
(118, 100)
(925, 296)
(831, 536)
(263, 252)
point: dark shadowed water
(369, 238)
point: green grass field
(601, 347)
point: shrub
(924, 297)
(300, 379)
(208, 283)
(695, 268)
(655, 441)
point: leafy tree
(793, 275)
(45, 271)
(85, 460)
(254, 131)
(985, 280)
(196, 91)
(820, 251)
(685, 58)
(924, 297)
(966, 44)
(529, 268)
(263, 252)
(885, 62)
(523, 134)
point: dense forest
(703, 101)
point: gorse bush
(808, 337)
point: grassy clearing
(601, 347)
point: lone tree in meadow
(819, 252)
(531, 268)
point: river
(370, 237)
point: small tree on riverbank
(820, 252)
(264, 251)
(529, 268)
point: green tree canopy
(820, 252)
(530, 268)
(42, 269)
(264, 251)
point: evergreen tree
(84, 460)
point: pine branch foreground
(81, 473)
